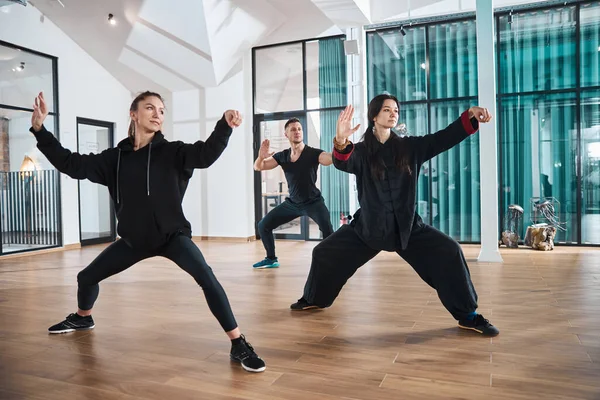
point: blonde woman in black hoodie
(387, 168)
(147, 176)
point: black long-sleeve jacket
(147, 186)
(388, 205)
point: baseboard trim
(73, 246)
(225, 239)
(77, 246)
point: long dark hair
(134, 107)
(401, 156)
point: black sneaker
(243, 352)
(302, 305)
(479, 325)
(73, 322)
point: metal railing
(29, 208)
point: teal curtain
(332, 93)
(538, 137)
(414, 116)
(453, 65)
(537, 51)
(590, 167)
(539, 149)
(590, 44)
(455, 175)
(395, 64)
(455, 187)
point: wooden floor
(386, 337)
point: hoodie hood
(126, 145)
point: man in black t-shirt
(299, 163)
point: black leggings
(436, 257)
(288, 211)
(181, 250)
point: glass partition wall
(306, 80)
(29, 186)
(548, 113)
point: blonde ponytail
(131, 131)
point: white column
(487, 133)
(356, 67)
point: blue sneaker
(267, 263)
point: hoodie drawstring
(118, 166)
(147, 173)
(148, 170)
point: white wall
(230, 198)
(187, 113)
(306, 23)
(219, 200)
(85, 90)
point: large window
(432, 69)
(590, 122)
(548, 114)
(539, 149)
(29, 195)
(590, 167)
(538, 97)
(306, 80)
(396, 64)
(537, 50)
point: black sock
(236, 341)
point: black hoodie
(147, 186)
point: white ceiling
(195, 44)
(178, 45)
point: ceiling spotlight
(111, 19)
(402, 31)
(19, 68)
(423, 65)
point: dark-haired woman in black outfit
(386, 168)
